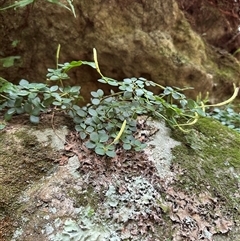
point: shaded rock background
(216, 21)
(144, 38)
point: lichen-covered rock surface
(185, 190)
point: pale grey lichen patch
(82, 229)
(50, 137)
(137, 197)
(116, 219)
(73, 165)
(159, 149)
(17, 233)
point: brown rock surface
(151, 39)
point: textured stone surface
(144, 38)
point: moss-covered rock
(127, 198)
(209, 157)
(23, 161)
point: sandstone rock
(216, 21)
(192, 192)
(151, 39)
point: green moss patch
(22, 161)
(210, 161)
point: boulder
(183, 186)
(151, 39)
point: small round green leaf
(127, 146)
(127, 94)
(191, 104)
(100, 93)
(100, 126)
(75, 89)
(20, 110)
(96, 119)
(94, 94)
(34, 95)
(95, 101)
(127, 81)
(36, 111)
(83, 125)
(56, 96)
(140, 83)
(54, 88)
(76, 107)
(111, 153)
(129, 88)
(168, 90)
(66, 100)
(102, 81)
(34, 119)
(176, 95)
(2, 126)
(23, 93)
(92, 112)
(90, 145)
(28, 107)
(103, 137)
(137, 143)
(78, 128)
(201, 112)
(89, 121)
(83, 135)
(183, 102)
(54, 77)
(89, 129)
(36, 101)
(94, 137)
(126, 114)
(100, 150)
(110, 99)
(23, 82)
(139, 92)
(140, 147)
(81, 113)
(11, 111)
(8, 117)
(113, 83)
(122, 87)
(77, 120)
(57, 103)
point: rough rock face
(217, 21)
(172, 190)
(144, 38)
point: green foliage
(227, 117)
(108, 120)
(34, 98)
(23, 3)
(8, 61)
